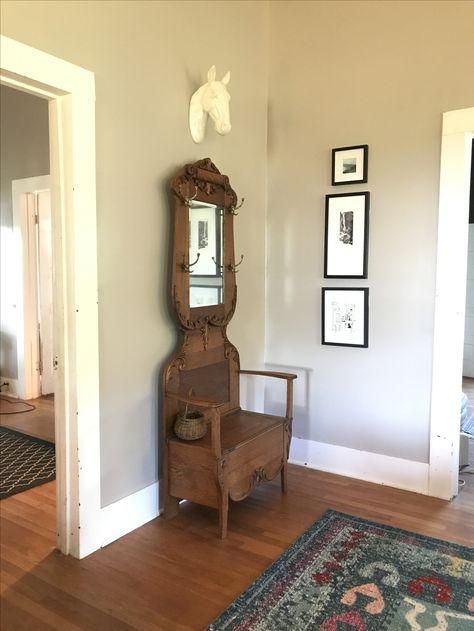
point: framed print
(205, 239)
(345, 316)
(350, 165)
(346, 235)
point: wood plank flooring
(177, 575)
(38, 422)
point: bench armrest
(269, 373)
(290, 377)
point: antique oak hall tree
(240, 448)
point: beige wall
(338, 73)
(148, 58)
(24, 133)
(345, 73)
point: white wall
(24, 153)
(347, 73)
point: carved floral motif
(205, 336)
(204, 176)
(258, 476)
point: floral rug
(347, 573)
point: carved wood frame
(202, 179)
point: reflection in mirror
(206, 282)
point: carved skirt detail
(241, 489)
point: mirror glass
(206, 278)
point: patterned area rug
(25, 462)
(346, 573)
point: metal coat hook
(186, 267)
(217, 264)
(188, 200)
(232, 209)
(232, 268)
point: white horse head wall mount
(211, 99)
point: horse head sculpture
(211, 99)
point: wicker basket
(190, 426)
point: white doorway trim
(71, 94)
(24, 251)
(450, 302)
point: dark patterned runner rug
(25, 462)
(347, 573)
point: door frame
(450, 302)
(24, 252)
(70, 91)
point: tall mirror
(206, 279)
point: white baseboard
(129, 513)
(362, 465)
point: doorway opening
(33, 261)
(70, 93)
(26, 303)
(466, 444)
(450, 302)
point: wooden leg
(223, 514)
(171, 507)
(284, 478)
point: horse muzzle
(223, 128)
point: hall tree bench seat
(241, 448)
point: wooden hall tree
(240, 448)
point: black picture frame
(350, 165)
(345, 316)
(346, 235)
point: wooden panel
(255, 461)
(237, 429)
(242, 481)
(208, 382)
(256, 452)
(192, 474)
(199, 358)
(241, 427)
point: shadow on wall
(269, 395)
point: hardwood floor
(38, 422)
(177, 575)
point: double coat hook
(232, 268)
(186, 267)
(232, 209)
(188, 200)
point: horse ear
(211, 75)
(226, 78)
